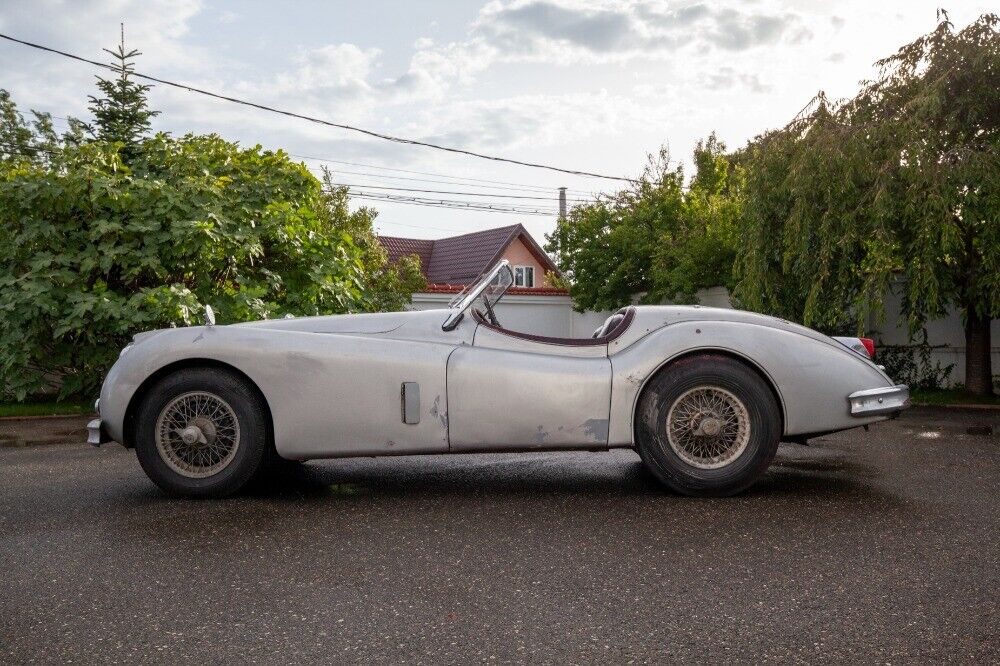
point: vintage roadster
(704, 395)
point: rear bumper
(879, 401)
(96, 434)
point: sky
(593, 85)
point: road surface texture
(878, 547)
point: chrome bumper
(96, 434)
(874, 402)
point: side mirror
(209, 316)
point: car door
(507, 392)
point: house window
(524, 276)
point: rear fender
(812, 378)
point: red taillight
(869, 346)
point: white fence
(945, 335)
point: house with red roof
(530, 305)
(451, 263)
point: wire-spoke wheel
(197, 434)
(708, 427)
(204, 432)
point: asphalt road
(874, 547)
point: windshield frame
(465, 299)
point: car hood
(370, 323)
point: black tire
(252, 453)
(712, 372)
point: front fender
(329, 394)
(150, 352)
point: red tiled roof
(459, 260)
(404, 247)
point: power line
(12, 149)
(379, 223)
(466, 194)
(320, 121)
(429, 173)
(519, 187)
(386, 197)
(451, 203)
(453, 182)
(446, 206)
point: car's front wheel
(708, 425)
(202, 432)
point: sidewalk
(31, 431)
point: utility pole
(562, 203)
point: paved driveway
(878, 546)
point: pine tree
(122, 114)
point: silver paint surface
(333, 383)
(502, 399)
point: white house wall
(541, 315)
(947, 331)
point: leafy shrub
(93, 250)
(911, 364)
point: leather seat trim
(622, 326)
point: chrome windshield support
(458, 308)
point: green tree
(656, 240)
(901, 180)
(93, 249)
(701, 251)
(36, 141)
(387, 286)
(122, 114)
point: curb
(46, 417)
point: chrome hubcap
(197, 434)
(708, 427)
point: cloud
(90, 25)
(726, 78)
(333, 69)
(157, 27)
(529, 28)
(734, 30)
(438, 95)
(604, 30)
(341, 81)
(509, 123)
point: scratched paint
(596, 429)
(540, 435)
(441, 416)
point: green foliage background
(898, 186)
(94, 249)
(656, 240)
(895, 188)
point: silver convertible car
(704, 395)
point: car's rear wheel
(202, 432)
(708, 425)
